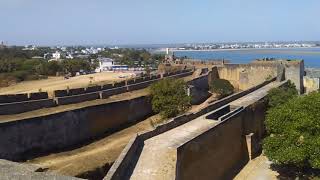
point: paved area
(257, 169)
(15, 171)
(256, 95)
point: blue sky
(75, 22)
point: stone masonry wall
(22, 139)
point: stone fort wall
(122, 168)
(243, 76)
(27, 137)
(19, 103)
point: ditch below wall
(26, 138)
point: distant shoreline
(241, 49)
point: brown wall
(77, 98)
(24, 106)
(215, 154)
(25, 138)
(244, 76)
(13, 98)
(38, 95)
(222, 151)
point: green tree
(169, 97)
(294, 132)
(221, 87)
(53, 67)
(278, 96)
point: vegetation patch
(221, 87)
(169, 97)
(293, 127)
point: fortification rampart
(27, 137)
(215, 154)
(122, 168)
(243, 76)
(19, 103)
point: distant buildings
(108, 64)
(105, 64)
(258, 45)
(56, 55)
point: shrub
(169, 97)
(221, 87)
(278, 96)
(294, 132)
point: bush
(294, 132)
(169, 97)
(221, 87)
(278, 96)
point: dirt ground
(95, 155)
(55, 83)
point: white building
(56, 55)
(105, 64)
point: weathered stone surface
(16, 171)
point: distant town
(257, 45)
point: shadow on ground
(292, 172)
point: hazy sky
(53, 22)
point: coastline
(240, 49)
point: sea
(311, 56)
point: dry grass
(55, 83)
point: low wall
(60, 93)
(38, 95)
(91, 89)
(77, 98)
(25, 106)
(311, 84)
(13, 98)
(125, 163)
(139, 80)
(119, 84)
(130, 81)
(107, 86)
(218, 153)
(70, 96)
(76, 91)
(140, 85)
(25, 138)
(110, 92)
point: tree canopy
(169, 97)
(278, 96)
(293, 128)
(221, 87)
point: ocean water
(311, 56)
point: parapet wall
(122, 168)
(24, 106)
(21, 103)
(22, 139)
(215, 154)
(11, 98)
(311, 84)
(243, 76)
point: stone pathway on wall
(257, 169)
(158, 157)
(157, 160)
